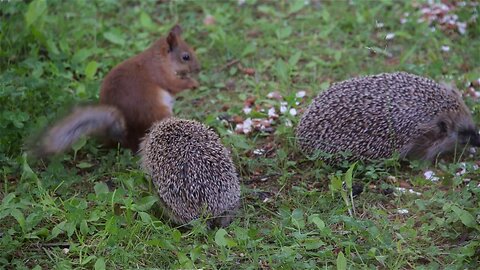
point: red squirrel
(134, 94)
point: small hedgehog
(375, 116)
(192, 171)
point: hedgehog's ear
(173, 36)
(442, 126)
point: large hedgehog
(192, 171)
(374, 116)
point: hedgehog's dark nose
(475, 140)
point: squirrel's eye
(185, 56)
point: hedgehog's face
(457, 130)
(448, 132)
(468, 135)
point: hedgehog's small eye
(185, 56)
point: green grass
(94, 208)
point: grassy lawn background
(94, 208)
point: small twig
(64, 245)
(229, 64)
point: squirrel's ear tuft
(173, 36)
(176, 29)
(172, 41)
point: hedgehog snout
(469, 136)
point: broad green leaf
(283, 32)
(114, 37)
(84, 165)
(249, 49)
(145, 217)
(81, 55)
(111, 226)
(313, 243)
(79, 144)
(18, 215)
(466, 218)
(297, 218)
(336, 183)
(163, 243)
(241, 233)
(349, 176)
(220, 237)
(146, 21)
(70, 228)
(282, 70)
(87, 259)
(296, 6)
(58, 229)
(7, 199)
(35, 10)
(315, 219)
(91, 69)
(294, 58)
(84, 227)
(27, 172)
(145, 203)
(100, 188)
(100, 264)
(341, 261)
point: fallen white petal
(247, 126)
(402, 211)
(247, 110)
(293, 112)
(300, 94)
(414, 192)
(258, 152)
(272, 112)
(430, 175)
(389, 36)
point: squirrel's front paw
(193, 84)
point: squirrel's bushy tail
(99, 120)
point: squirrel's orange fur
(134, 94)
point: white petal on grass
(389, 36)
(462, 27)
(414, 192)
(402, 211)
(430, 175)
(272, 113)
(300, 94)
(463, 170)
(283, 107)
(274, 95)
(293, 112)
(445, 48)
(247, 110)
(247, 126)
(404, 190)
(259, 152)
